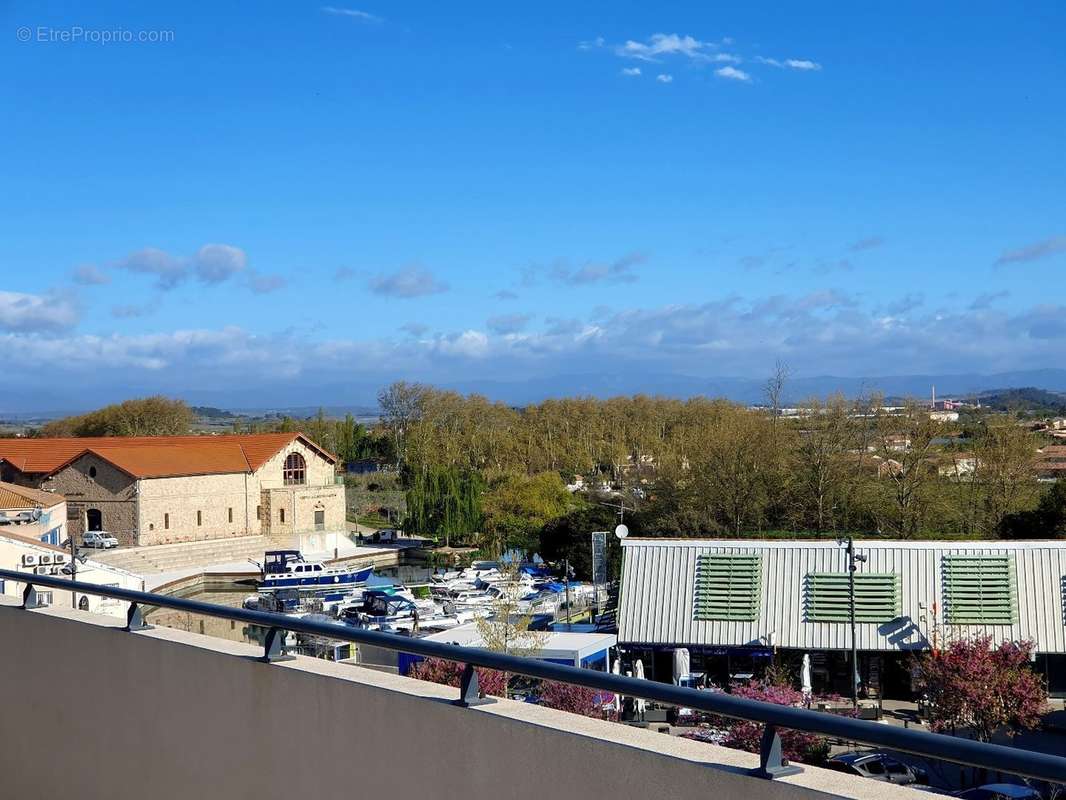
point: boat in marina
(288, 569)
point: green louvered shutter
(877, 597)
(728, 586)
(980, 590)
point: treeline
(148, 416)
(347, 439)
(712, 467)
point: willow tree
(444, 502)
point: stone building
(158, 490)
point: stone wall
(300, 504)
(320, 472)
(89, 482)
(198, 506)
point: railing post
(272, 651)
(469, 692)
(772, 764)
(135, 619)
(30, 598)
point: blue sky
(301, 201)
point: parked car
(1000, 791)
(101, 539)
(878, 767)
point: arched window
(295, 471)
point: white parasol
(638, 672)
(805, 678)
(681, 665)
(617, 670)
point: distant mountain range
(752, 390)
(360, 397)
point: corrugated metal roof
(155, 456)
(659, 575)
(15, 498)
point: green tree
(444, 502)
(517, 506)
(149, 416)
(568, 538)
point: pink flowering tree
(974, 685)
(450, 673)
(575, 699)
(741, 734)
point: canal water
(233, 595)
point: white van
(101, 539)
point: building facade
(737, 604)
(161, 490)
(33, 514)
(22, 551)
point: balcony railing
(1004, 759)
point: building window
(281, 515)
(44, 598)
(320, 520)
(828, 597)
(259, 513)
(979, 589)
(230, 513)
(295, 472)
(92, 472)
(199, 517)
(728, 586)
(166, 521)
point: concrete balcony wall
(91, 711)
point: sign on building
(599, 558)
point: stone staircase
(187, 555)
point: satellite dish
(621, 531)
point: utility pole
(853, 562)
(566, 584)
(73, 570)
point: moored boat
(288, 569)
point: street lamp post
(853, 562)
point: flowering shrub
(450, 673)
(745, 735)
(971, 684)
(575, 699)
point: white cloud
(89, 275)
(468, 344)
(662, 44)
(211, 264)
(215, 263)
(593, 44)
(412, 281)
(31, 312)
(264, 284)
(1033, 252)
(508, 323)
(631, 71)
(664, 78)
(351, 13)
(802, 64)
(822, 332)
(734, 74)
(790, 63)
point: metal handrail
(929, 745)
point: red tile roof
(14, 497)
(155, 456)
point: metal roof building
(794, 594)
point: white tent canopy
(682, 664)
